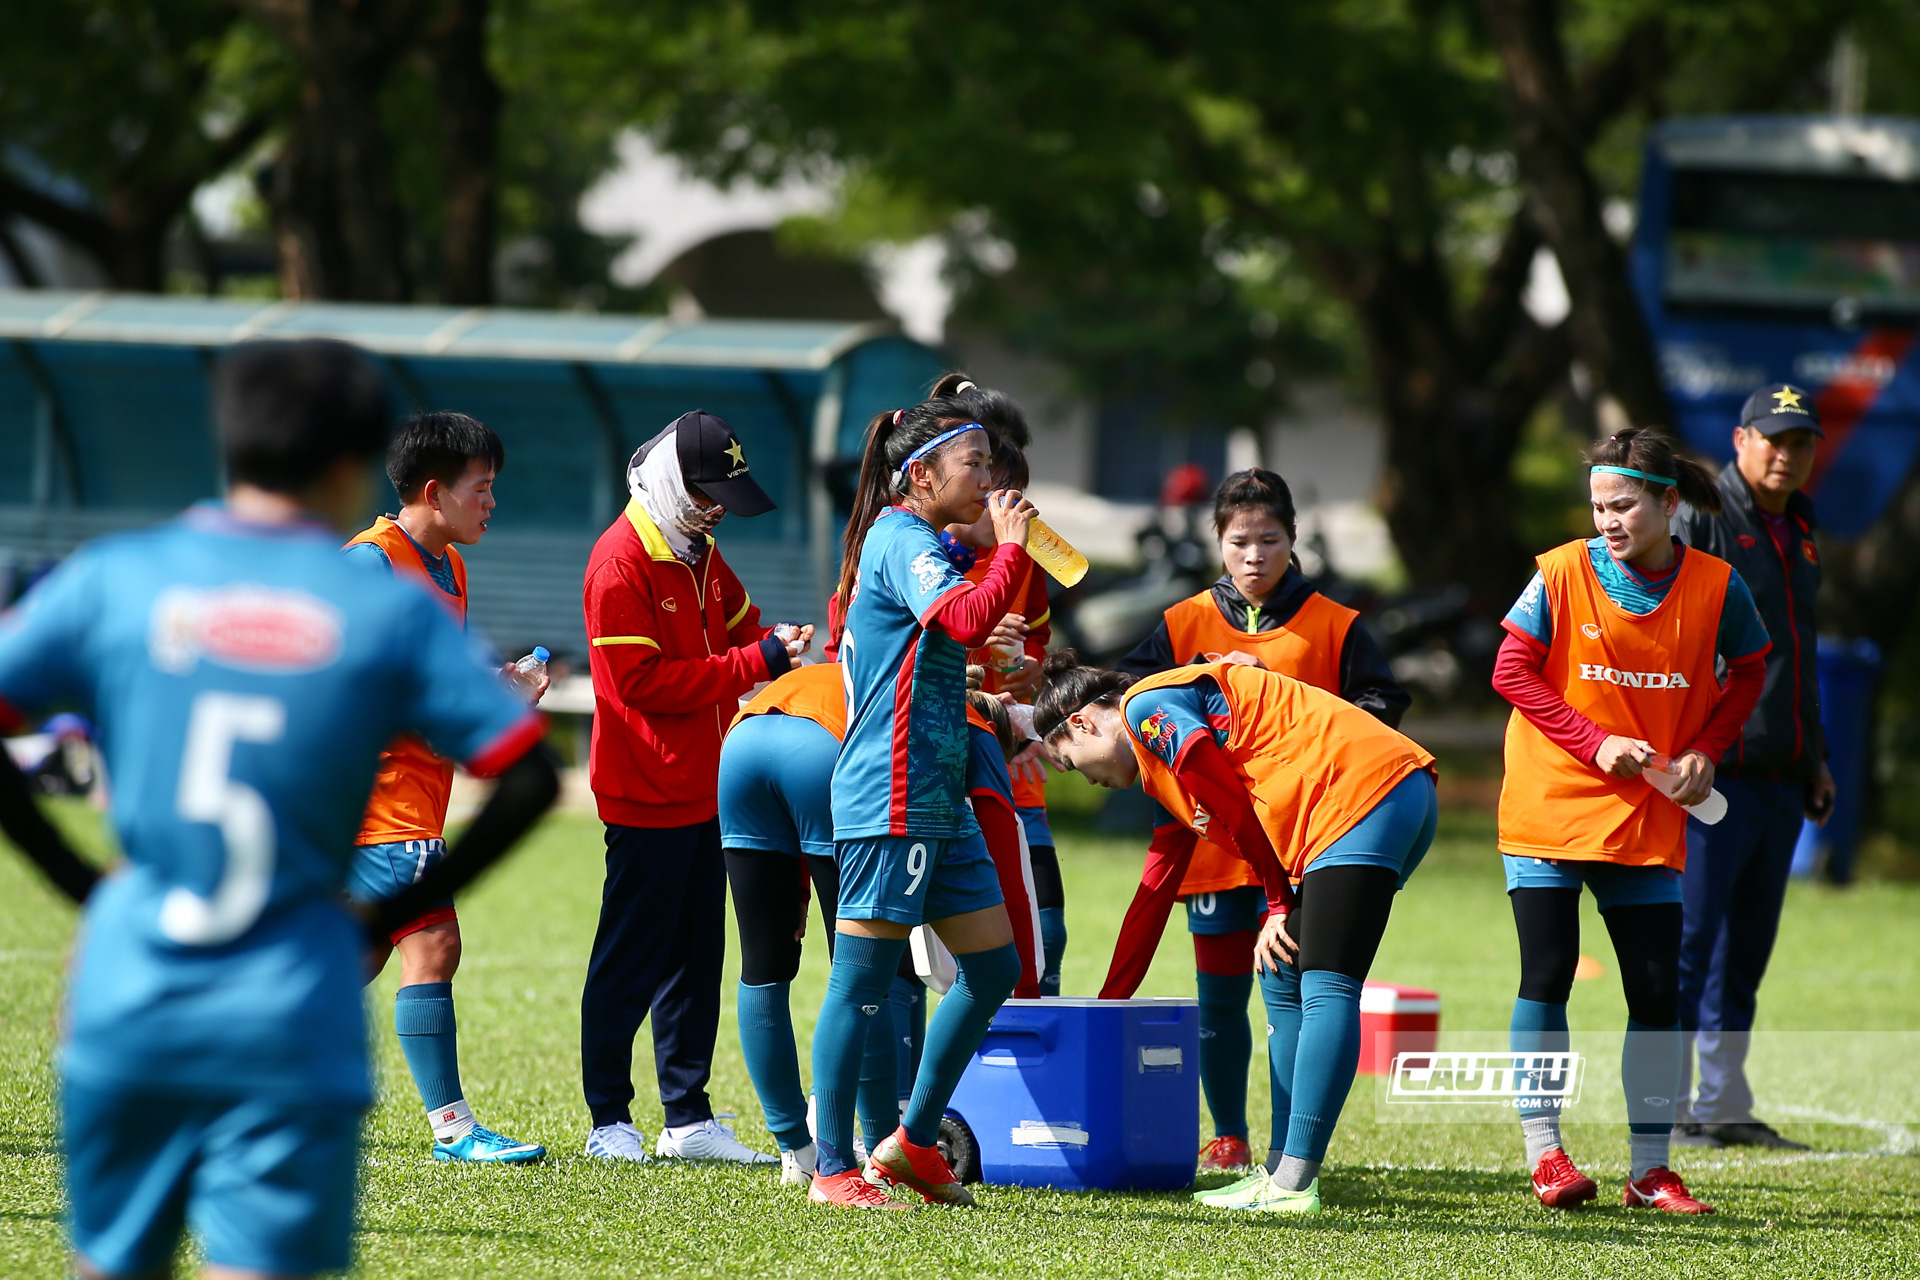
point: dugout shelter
(105, 424)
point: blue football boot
(483, 1144)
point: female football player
(1258, 761)
(906, 842)
(1609, 663)
(1265, 613)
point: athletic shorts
(381, 870)
(776, 786)
(265, 1185)
(1395, 834)
(911, 881)
(1034, 819)
(1226, 911)
(1613, 885)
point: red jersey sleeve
(623, 632)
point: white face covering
(656, 484)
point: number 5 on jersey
(209, 794)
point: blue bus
(1787, 249)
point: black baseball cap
(711, 457)
(1780, 406)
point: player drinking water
(776, 770)
(244, 678)
(1610, 663)
(1262, 612)
(908, 847)
(443, 466)
(1258, 762)
(1011, 658)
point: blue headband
(1669, 481)
(936, 442)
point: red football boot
(899, 1161)
(1559, 1185)
(851, 1191)
(1225, 1154)
(1662, 1189)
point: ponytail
(892, 436)
(1654, 456)
(1004, 419)
(1067, 687)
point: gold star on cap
(1786, 398)
(735, 452)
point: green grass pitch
(1444, 1200)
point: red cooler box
(1396, 1020)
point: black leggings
(1047, 890)
(1646, 943)
(770, 906)
(1340, 916)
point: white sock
(451, 1122)
(1542, 1134)
(1650, 1151)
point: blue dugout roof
(105, 423)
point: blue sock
(1650, 1076)
(958, 1026)
(1280, 992)
(878, 1102)
(1537, 1027)
(1226, 1048)
(856, 988)
(773, 1064)
(909, 1000)
(1053, 945)
(423, 1017)
(1327, 1059)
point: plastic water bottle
(1054, 553)
(1660, 775)
(531, 670)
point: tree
(109, 159)
(1173, 154)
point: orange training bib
(816, 692)
(1645, 676)
(1314, 763)
(412, 784)
(1307, 648)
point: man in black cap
(675, 641)
(1774, 775)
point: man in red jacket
(675, 642)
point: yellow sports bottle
(1054, 553)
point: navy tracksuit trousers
(660, 946)
(1733, 888)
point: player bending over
(443, 466)
(244, 679)
(1262, 612)
(1257, 762)
(908, 847)
(1609, 663)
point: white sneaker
(620, 1141)
(797, 1167)
(708, 1140)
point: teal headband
(1669, 481)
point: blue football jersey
(903, 763)
(243, 679)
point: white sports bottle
(1660, 775)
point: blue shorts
(381, 870)
(912, 881)
(1034, 821)
(1228, 911)
(776, 786)
(1613, 885)
(266, 1185)
(1395, 834)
